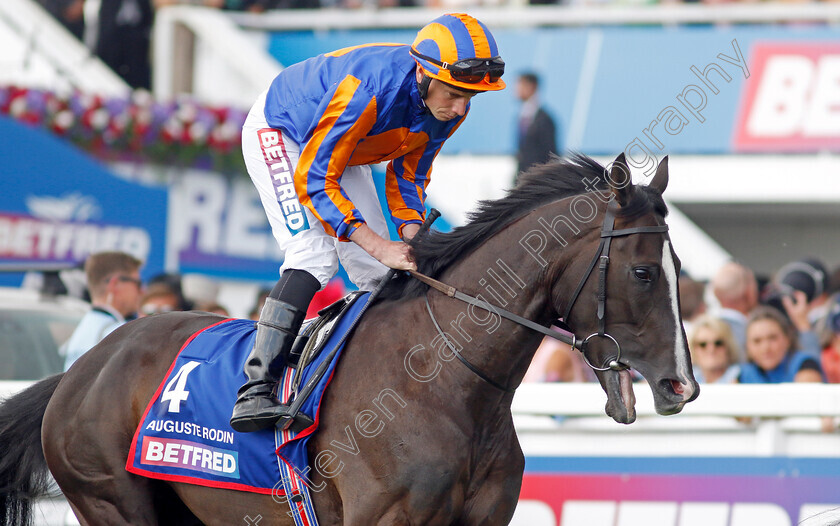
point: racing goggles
(470, 70)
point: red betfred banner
(791, 102)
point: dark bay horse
(408, 434)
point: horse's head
(641, 327)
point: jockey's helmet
(458, 50)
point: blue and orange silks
(358, 106)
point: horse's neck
(514, 270)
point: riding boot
(256, 406)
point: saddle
(306, 349)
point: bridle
(602, 259)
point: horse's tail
(23, 468)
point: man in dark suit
(536, 137)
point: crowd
(742, 329)
(118, 295)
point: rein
(602, 259)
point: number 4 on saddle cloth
(185, 435)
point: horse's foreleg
(493, 496)
(494, 502)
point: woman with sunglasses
(308, 143)
(714, 352)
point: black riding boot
(256, 407)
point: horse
(408, 434)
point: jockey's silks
(358, 106)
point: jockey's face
(446, 102)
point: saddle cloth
(185, 435)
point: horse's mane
(543, 184)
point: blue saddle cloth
(185, 435)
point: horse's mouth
(672, 395)
(669, 395)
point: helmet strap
(423, 85)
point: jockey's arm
(394, 254)
(409, 231)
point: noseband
(602, 259)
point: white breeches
(271, 157)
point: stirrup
(295, 423)
(258, 420)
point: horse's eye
(643, 273)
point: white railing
(734, 400)
(725, 420)
(515, 14)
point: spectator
(830, 342)
(254, 314)
(113, 279)
(123, 39)
(213, 308)
(174, 283)
(158, 299)
(260, 6)
(692, 302)
(714, 352)
(736, 289)
(772, 350)
(555, 361)
(199, 289)
(217, 4)
(834, 281)
(799, 292)
(69, 12)
(536, 139)
(808, 276)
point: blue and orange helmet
(460, 51)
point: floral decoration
(136, 128)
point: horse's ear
(619, 179)
(660, 179)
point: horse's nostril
(677, 387)
(673, 387)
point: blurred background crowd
(743, 328)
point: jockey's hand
(393, 254)
(397, 254)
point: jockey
(308, 143)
